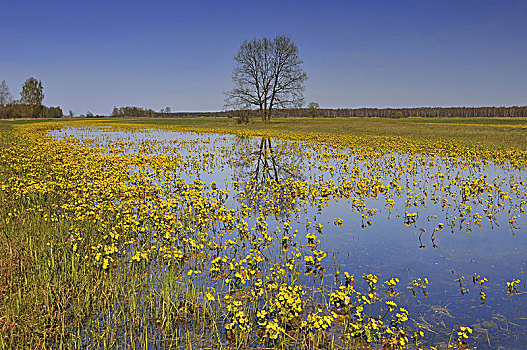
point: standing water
(286, 240)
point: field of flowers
(120, 235)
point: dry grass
(492, 132)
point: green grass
(469, 131)
(41, 285)
(491, 132)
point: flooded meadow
(202, 238)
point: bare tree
(268, 74)
(264, 171)
(5, 95)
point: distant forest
(30, 103)
(22, 110)
(424, 112)
(19, 110)
(130, 111)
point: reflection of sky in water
(387, 248)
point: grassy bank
(44, 292)
(490, 132)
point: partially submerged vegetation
(122, 243)
(501, 133)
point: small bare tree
(268, 74)
(5, 95)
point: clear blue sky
(92, 55)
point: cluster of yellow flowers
(135, 200)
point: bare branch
(268, 74)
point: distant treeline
(130, 111)
(22, 110)
(424, 112)
(30, 103)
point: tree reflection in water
(264, 173)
